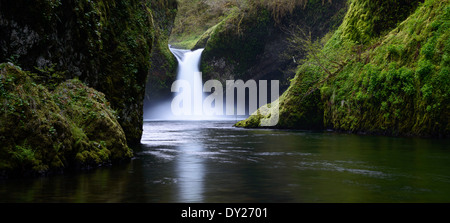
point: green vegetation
(46, 131)
(237, 40)
(391, 77)
(50, 119)
(163, 64)
(74, 97)
(250, 42)
(195, 17)
(113, 46)
(367, 20)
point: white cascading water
(188, 70)
(192, 108)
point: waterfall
(188, 70)
(194, 100)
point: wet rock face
(107, 44)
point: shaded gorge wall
(113, 46)
(73, 80)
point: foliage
(43, 132)
(109, 45)
(367, 19)
(394, 83)
(195, 17)
(280, 8)
(247, 44)
(49, 76)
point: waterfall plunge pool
(210, 161)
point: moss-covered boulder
(388, 80)
(397, 83)
(109, 45)
(89, 110)
(295, 110)
(33, 133)
(43, 132)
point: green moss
(251, 41)
(110, 45)
(43, 131)
(298, 107)
(31, 124)
(237, 39)
(394, 83)
(89, 110)
(368, 19)
(401, 82)
(195, 17)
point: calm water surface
(210, 161)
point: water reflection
(213, 162)
(179, 146)
(191, 173)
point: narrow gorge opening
(192, 98)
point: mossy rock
(89, 110)
(367, 19)
(34, 135)
(298, 107)
(44, 132)
(109, 45)
(390, 81)
(392, 87)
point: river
(211, 161)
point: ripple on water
(158, 154)
(282, 154)
(336, 167)
(166, 180)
